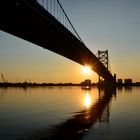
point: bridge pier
(106, 82)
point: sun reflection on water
(87, 100)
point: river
(69, 113)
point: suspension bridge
(46, 24)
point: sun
(86, 70)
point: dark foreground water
(69, 113)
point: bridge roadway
(30, 21)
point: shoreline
(25, 84)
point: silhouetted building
(87, 82)
(127, 81)
(119, 81)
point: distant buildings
(119, 81)
(126, 81)
(87, 82)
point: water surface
(69, 113)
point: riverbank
(26, 84)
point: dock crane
(3, 79)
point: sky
(112, 25)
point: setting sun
(86, 70)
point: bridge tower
(103, 57)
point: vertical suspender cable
(69, 21)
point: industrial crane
(3, 79)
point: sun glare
(86, 70)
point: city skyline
(111, 25)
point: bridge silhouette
(45, 23)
